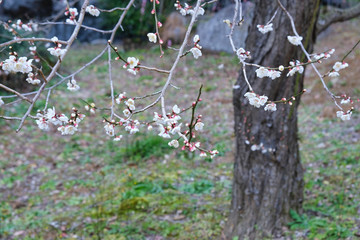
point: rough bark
(267, 185)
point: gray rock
(213, 33)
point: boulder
(213, 32)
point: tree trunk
(268, 184)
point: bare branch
(338, 15)
(15, 92)
(30, 40)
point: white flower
(174, 143)
(334, 74)
(196, 38)
(255, 101)
(132, 71)
(152, 37)
(133, 62)
(92, 10)
(281, 68)
(199, 126)
(73, 12)
(227, 21)
(70, 129)
(340, 65)
(32, 49)
(270, 107)
(118, 138)
(1, 102)
(295, 40)
(343, 116)
(131, 104)
(263, 100)
(126, 112)
(274, 74)
(183, 12)
(71, 21)
(58, 52)
(196, 52)
(346, 117)
(176, 129)
(109, 129)
(296, 68)
(345, 101)
(120, 97)
(176, 109)
(249, 95)
(72, 86)
(242, 54)
(17, 65)
(264, 29)
(54, 39)
(262, 72)
(42, 124)
(67, 130)
(32, 79)
(203, 154)
(214, 153)
(50, 113)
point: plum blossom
(152, 37)
(57, 51)
(199, 126)
(270, 107)
(334, 74)
(132, 62)
(127, 112)
(132, 71)
(203, 154)
(242, 54)
(345, 101)
(274, 74)
(120, 97)
(174, 143)
(72, 86)
(118, 138)
(92, 10)
(196, 52)
(132, 127)
(294, 40)
(131, 104)
(340, 65)
(213, 153)
(176, 109)
(196, 38)
(265, 28)
(344, 116)
(296, 68)
(73, 12)
(68, 129)
(262, 72)
(32, 79)
(12, 64)
(255, 100)
(109, 129)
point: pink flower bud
(153, 11)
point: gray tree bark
(267, 185)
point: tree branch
(338, 15)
